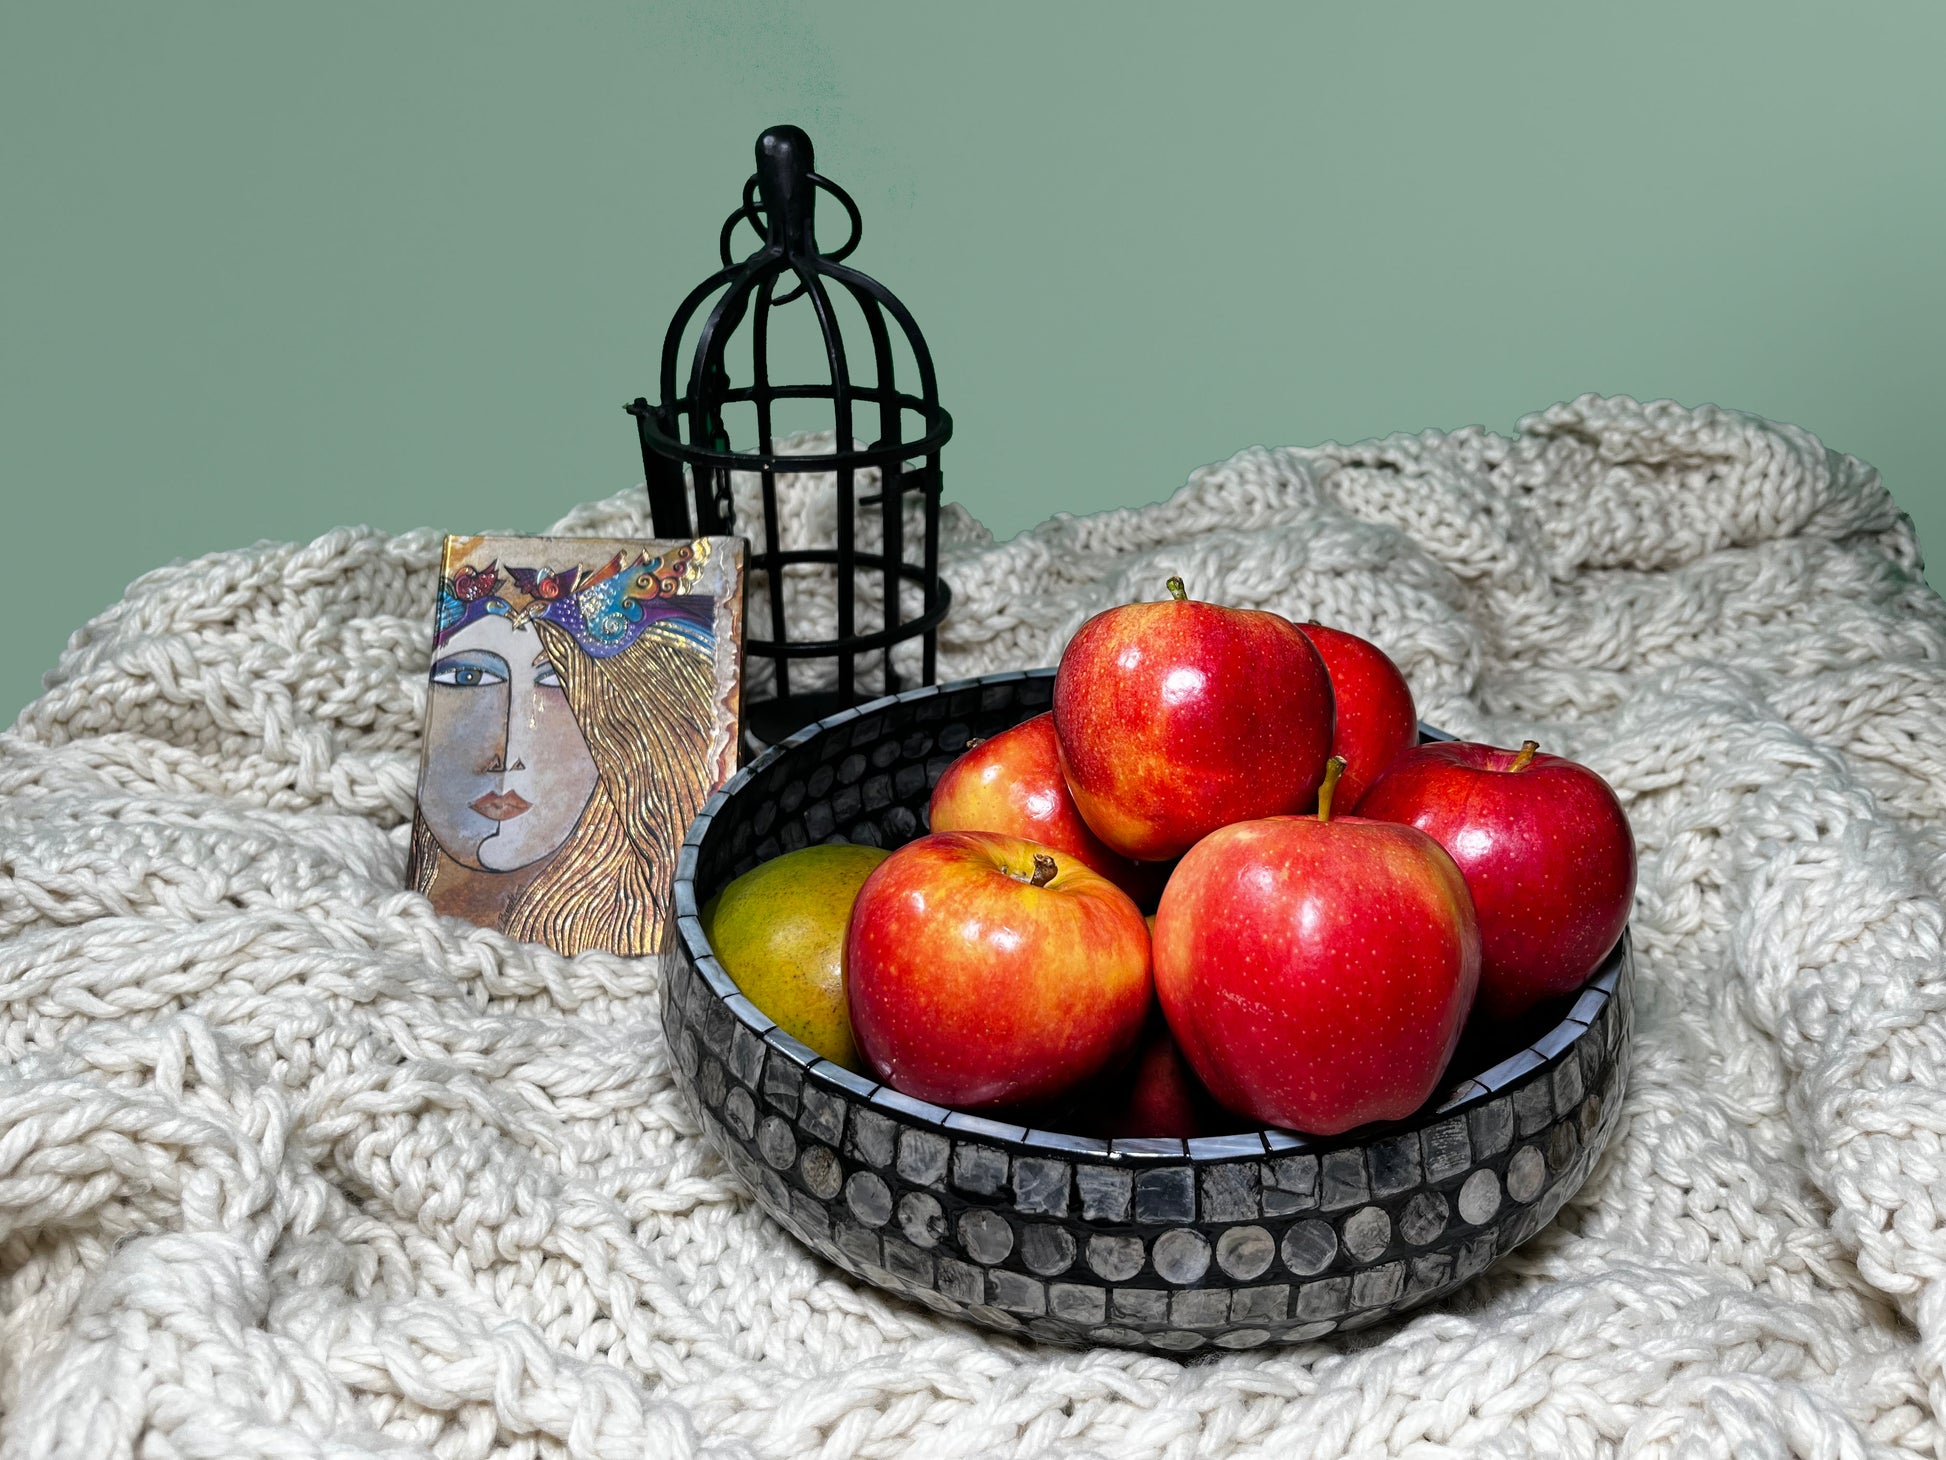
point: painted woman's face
(507, 773)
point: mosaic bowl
(1233, 1241)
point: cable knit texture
(291, 1167)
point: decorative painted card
(584, 702)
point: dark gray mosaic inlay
(1167, 1195)
(1447, 1150)
(979, 1170)
(1290, 1184)
(1345, 1182)
(1492, 1127)
(1394, 1164)
(1041, 1186)
(923, 1156)
(1230, 1193)
(872, 1138)
(1104, 1192)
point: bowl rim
(1544, 1050)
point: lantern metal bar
(861, 456)
(891, 477)
(762, 395)
(668, 492)
(706, 425)
(834, 348)
(891, 493)
(934, 604)
(928, 384)
(828, 648)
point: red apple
(1012, 784)
(1376, 720)
(1156, 1094)
(983, 971)
(1317, 970)
(1175, 718)
(1546, 851)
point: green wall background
(270, 269)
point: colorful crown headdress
(605, 609)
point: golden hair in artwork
(578, 716)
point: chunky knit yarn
(291, 1167)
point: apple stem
(1044, 869)
(1333, 769)
(1177, 591)
(1526, 756)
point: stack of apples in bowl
(1175, 997)
(1221, 886)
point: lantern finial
(785, 187)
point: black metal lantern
(686, 446)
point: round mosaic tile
(1367, 1232)
(1309, 1247)
(1479, 1197)
(1525, 1173)
(869, 1198)
(1115, 1258)
(922, 1219)
(1245, 1252)
(1181, 1255)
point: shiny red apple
(1012, 784)
(1546, 851)
(1317, 970)
(984, 971)
(1376, 721)
(1175, 718)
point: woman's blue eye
(546, 677)
(464, 675)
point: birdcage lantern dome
(879, 427)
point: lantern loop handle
(752, 212)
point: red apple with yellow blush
(1011, 783)
(1546, 851)
(1176, 718)
(1376, 721)
(1317, 970)
(987, 972)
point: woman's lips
(501, 805)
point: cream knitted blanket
(290, 1166)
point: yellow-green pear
(779, 931)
